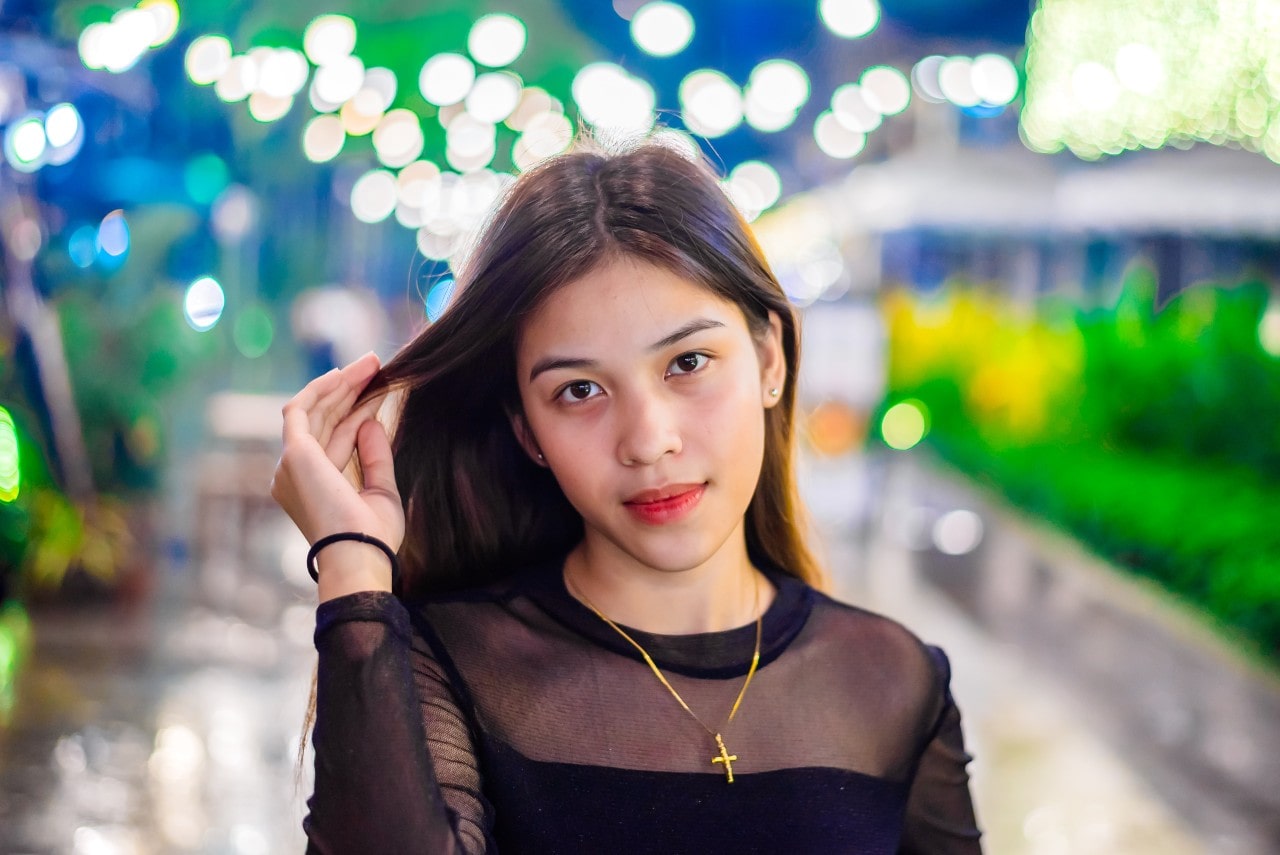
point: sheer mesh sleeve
(395, 762)
(940, 818)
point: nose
(649, 429)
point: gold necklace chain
(723, 756)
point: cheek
(729, 421)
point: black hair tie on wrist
(357, 536)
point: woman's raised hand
(322, 433)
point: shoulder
(873, 629)
(873, 643)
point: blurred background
(1033, 245)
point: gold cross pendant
(725, 757)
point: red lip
(665, 504)
(660, 493)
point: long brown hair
(476, 507)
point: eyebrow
(552, 363)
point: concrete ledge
(1195, 714)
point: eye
(688, 363)
(578, 390)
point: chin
(676, 555)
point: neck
(722, 593)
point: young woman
(607, 636)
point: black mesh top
(512, 719)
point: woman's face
(646, 394)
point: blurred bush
(124, 363)
(1152, 435)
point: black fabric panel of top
(513, 720)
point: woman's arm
(940, 818)
(395, 763)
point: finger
(316, 389)
(376, 462)
(331, 409)
(306, 400)
(342, 442)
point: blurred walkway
(1044, 783)
(175, 729)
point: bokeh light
(835, 139)
(164, 15)
(710, 102)
(90, 45)
(205, 176)
(63, 126)
(446, 78)
(545, 135)
(373, 196)
(329, 38)
(283, 73)
(779, 85)
(924, 78)
(850, 19)
(436, 245)
(957, 532)
(1100, 75)
(885, 89)
(238, 81)
(851, 108)
(494, 96)
(381, 82)
(10, 463)
(995, 79)
(398, 138)
(754, 187)
(534, 100)
(496, 40)
(25, 143)
(118, 44)
(438, 298)
(661, 28)
(1269, 329)
(904, 424)
(955, 80)
(323, 138)
(253, 331)
(362, 114)
(235, 213)
(470, 143)
(1140, 69)
(113, 235)
(207, 59)
(203, 303)
(609, 98)
(340, 79)
(269, 108)
(82, 246)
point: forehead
(622, 303)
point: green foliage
(123, 365)
(1161, 447)
(1191, 380)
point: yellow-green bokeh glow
(15, 647)
(1104, 76)
(905, 424)
(10, 465)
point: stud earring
(773, 392)
(540, 457)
